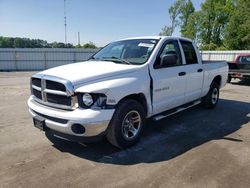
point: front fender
(117, 88)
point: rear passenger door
(194, 72)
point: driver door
(169, 82)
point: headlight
(87, 99)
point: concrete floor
(196, 148)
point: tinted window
(189, 52)
(171, 48)
(244, 59)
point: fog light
(77, 129)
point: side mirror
(168, 60)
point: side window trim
(175, 42)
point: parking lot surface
(195, 148)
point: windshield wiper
(116, 59)
(93, 58)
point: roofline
(155, 37)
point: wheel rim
(215, 95)
(131, 125)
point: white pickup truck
(123, 84)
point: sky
(99, 21)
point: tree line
(16, 42)
(218, 25)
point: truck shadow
(168, 138)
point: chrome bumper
(95, 122)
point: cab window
(189, 52)
(169, 48)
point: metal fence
(222, 55)
(40, 58)
(16, 59)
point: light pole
(65, 22)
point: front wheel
(126, 125)
(212, 97)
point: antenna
(65, 22)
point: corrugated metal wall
(40, 58)
(222, 55)
(43, 58)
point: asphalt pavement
(195, 148)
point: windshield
(135, 51)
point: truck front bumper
(94, 122)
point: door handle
(199, 70)
(182, 73)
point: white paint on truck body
(163, 88)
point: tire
(229, 79)
(126, 125)
(212, 97)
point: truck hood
(89, 71)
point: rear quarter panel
(211, 70)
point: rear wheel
(212, 97)
(126, 125)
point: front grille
(58, 99)
(36, 82)
(55, 86)
(52, 93)
(37, 93)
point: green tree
(10, 42)
(179, 13)
(60, 45)
(78, 46)
(174, 12)
(218, 25)
(186, 10)
(192, 29)
(214, 17)
(89, 45)
(19, 43)
(237, 35)
(166, 31)
(6, 42)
